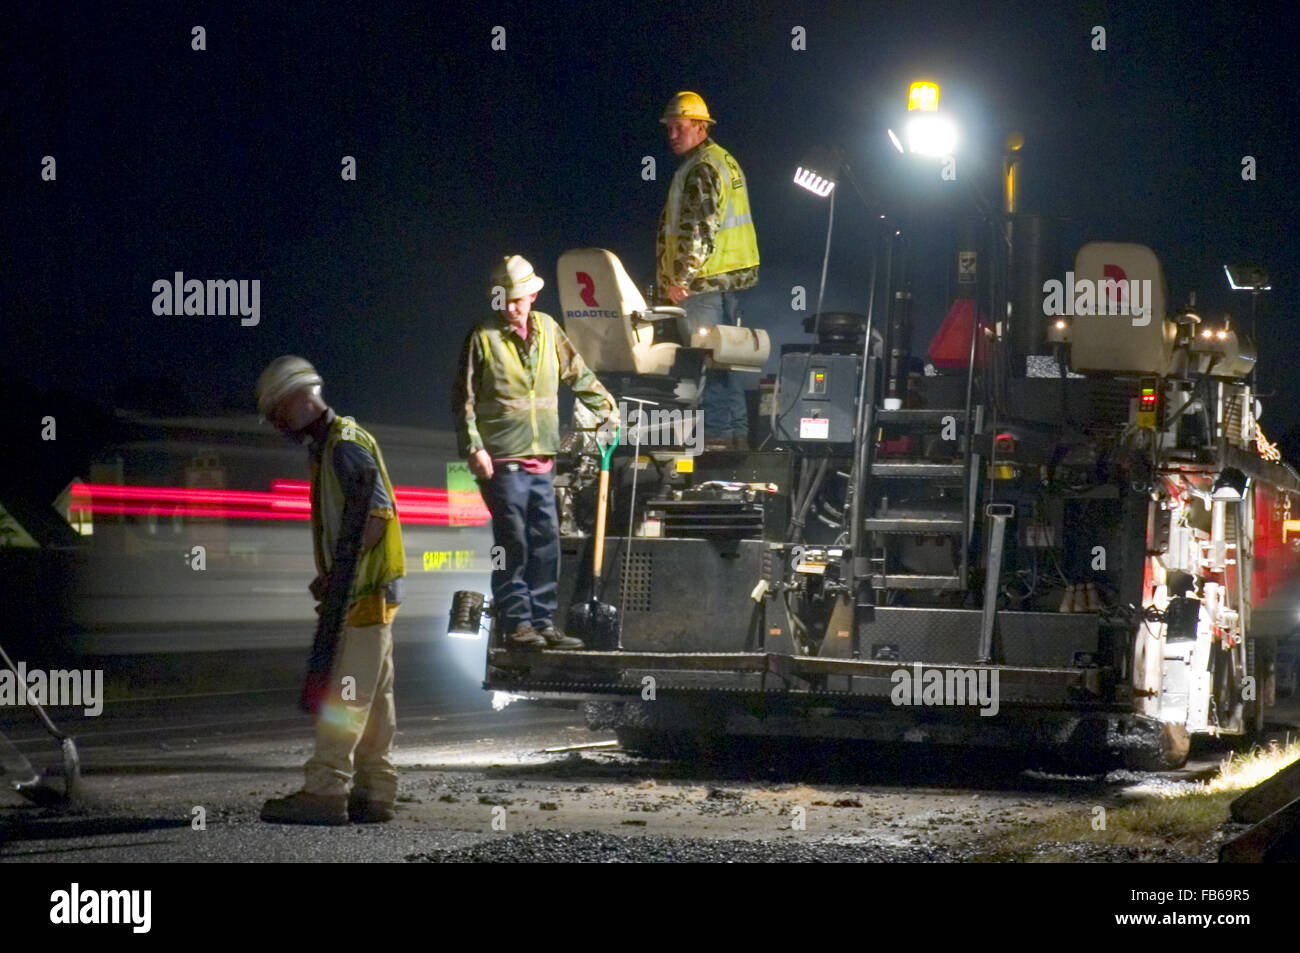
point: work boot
(555, 639)
(525, 638)
(362, 810)
(303, 808)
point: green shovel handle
(607, 452)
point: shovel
(42, 790)
(595, 622)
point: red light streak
(290, 486)
(288, 500)
(230, 513)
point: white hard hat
(281, 378)
(516, 276)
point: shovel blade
(56, 786)
(596, 623)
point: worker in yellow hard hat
(360, 560)
(707, 252)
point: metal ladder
(916, 496)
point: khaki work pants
(357, 719)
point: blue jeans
(723, 400)
(526, 527)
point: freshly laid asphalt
(181, 776)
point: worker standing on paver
(359, 557)
(506, 403)
(707, 252)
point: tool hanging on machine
(39, 789)
(631, 512)
(593, 621)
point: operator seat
(606, 317)
(641, 352)
(1122, 343)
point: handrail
(858, 572)
(967, 503)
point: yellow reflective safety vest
(518, 414)
(506, 393)
(735, 246)
(386, 560)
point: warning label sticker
(814, 428)
(965, 267)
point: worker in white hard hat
(506, 403)
(707, 252)
(360, 561)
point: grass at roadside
(1181, 817)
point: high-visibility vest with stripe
(519, 412)
(735, 245)
(386, 560)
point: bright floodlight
(813, 182)
(929, 134)
(819, 171)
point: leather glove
(319, 586)
(607, 428)
(313, 692)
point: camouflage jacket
(699, 220)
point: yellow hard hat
(687, 105)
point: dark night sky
(225, 164)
